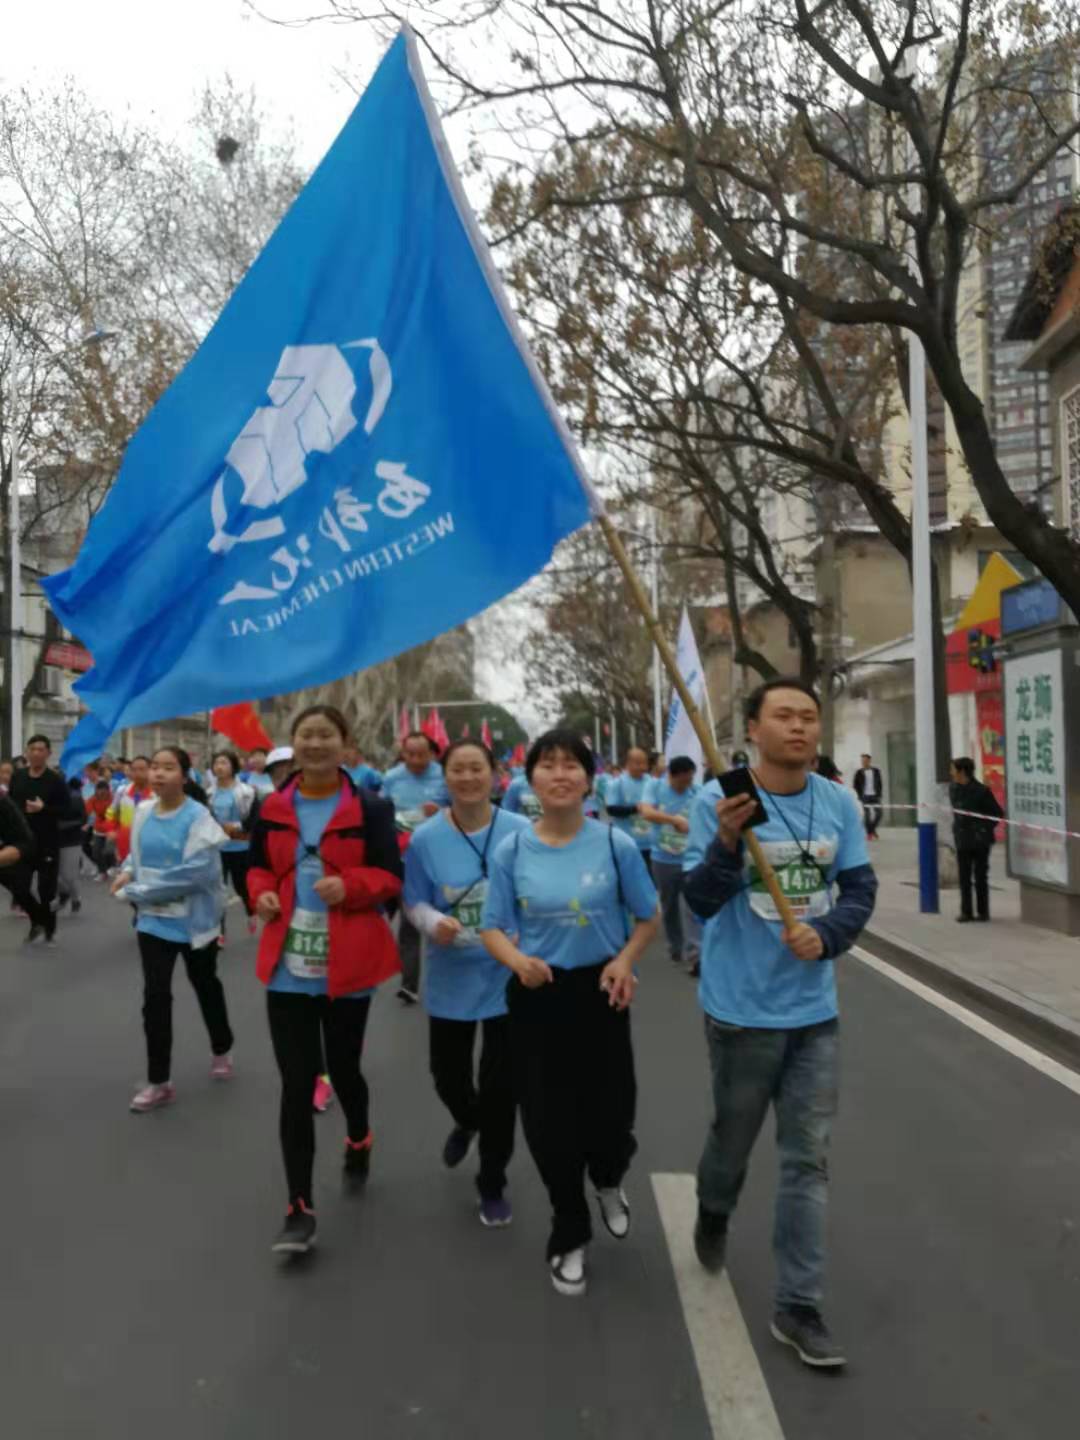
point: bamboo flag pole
(704, 733)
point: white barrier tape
(974, 815)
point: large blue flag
(361, 454)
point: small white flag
(681, 738)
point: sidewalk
(1027, 975)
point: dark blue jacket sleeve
(840, 928)
(719, 877)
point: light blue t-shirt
(748, 975)
(670, 844)
(226, 811)
(161, 847)
(365, 776)
(443, 869)
(627, 791)
(301, 970)
(522, 799)
(562, 901)
(410, 793)
(259, 781)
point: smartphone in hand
(740, 782)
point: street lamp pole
(923, 635)
(15, 652)
(15, 607)
(658, 704)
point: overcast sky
(153, 60)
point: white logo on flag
(310, 412)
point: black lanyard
(481, 855)
(804, 850)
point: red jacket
(360, 846)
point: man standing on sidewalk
(868, 789)
(973, 837)
(769, 994)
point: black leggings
(301, 1026)
(487, 1103)
(574, 1068)
(158, 960)
(234, 865)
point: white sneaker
(568, 1272)
(152, 1097)
(614, 1211)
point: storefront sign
(67, 656)
(1035, 766)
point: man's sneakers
(802, 1327)
(407, 996)
(710, 1240)
(298, 1233)
(358, 1159)
(36, 936)
(496, 1214)
(221, 1067)
(568, 1272)
(152, 1097)
(614, 1211)
(324, 1095)
(458, 1144)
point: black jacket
(52, 790)
(968, 833)
(860, 783)
(14, 830)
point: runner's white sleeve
(425, 917)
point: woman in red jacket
(324, 861)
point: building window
(1070, 453)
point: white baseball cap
(278, 756)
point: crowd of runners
(517, 908)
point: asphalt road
(138, 1295)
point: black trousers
(486, 1104)
(574, 1071)
(871, 816)
(18, 879)
(301, 1027)
(158, 961)
(974, 865)
(234, 865)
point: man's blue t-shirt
(562, 901)
(302, 966)
(625, 790)
(443, 869)
(162, 839)
(670, 844)
(748, 975)
(522, 799)
(410, 793)
(226, 811)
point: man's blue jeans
(795, 1070)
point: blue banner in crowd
(360, 455)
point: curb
(1045, 1029)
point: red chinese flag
(241, 725)
(485, 734)
(404, 724)
(430, 726)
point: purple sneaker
(496, 1214)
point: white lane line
(1035, 1058)
(736, 1396)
